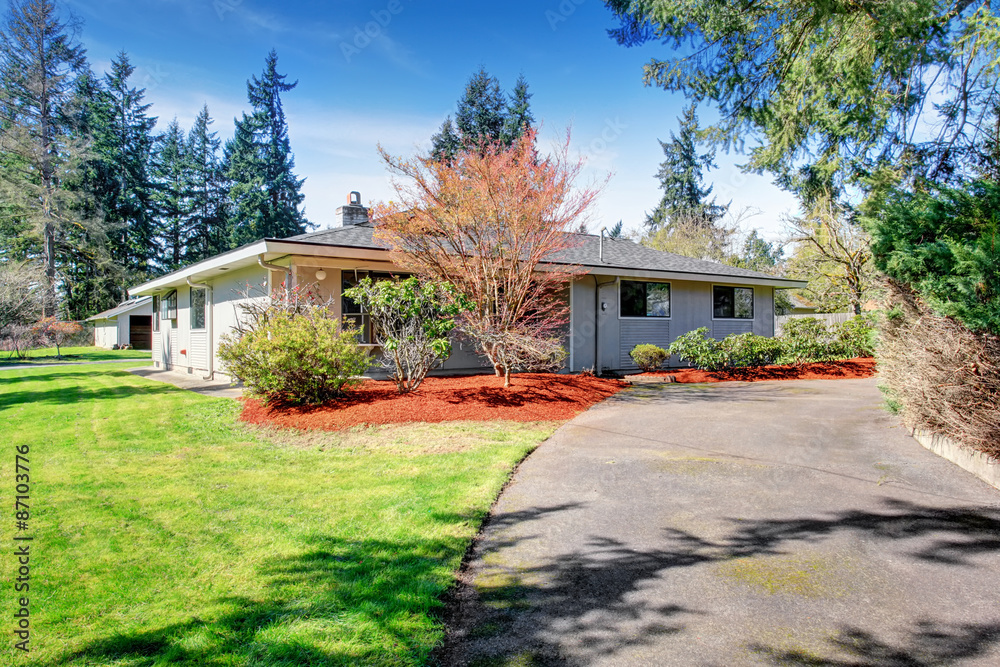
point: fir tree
(40, 60)
(208, 234)
(92, 280)
(172, 171)
(265, 194)
(446, 143)
(680, 175)
(519, 115)
(485, 115)
(123, 144)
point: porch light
(321, 275)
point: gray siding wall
(723, 328)
(690, 309)
(637, 332)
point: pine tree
(123, 133)
(519, 116)
(446, 143)
(265, 194)
(40, 60)
(485, 115)
(208, 234)
(680, 175)
(172, 172)
(92, 280)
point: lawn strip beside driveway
(792, 523)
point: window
(168, 306)
(640, 299)
(733, 303)
(156, 313)
(198, 308)
(353, 313)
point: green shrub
(699, 350)
(296, 358)
(749, 349)
(412, 321)
(856, 337)
(942, 242)
(806, 339)
(648, 357)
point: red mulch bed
(532, 397)
(824, 370)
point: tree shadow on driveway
(595, 604)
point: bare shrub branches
(945, 377)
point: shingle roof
(354, 236)
(129, 305)
(618, 253)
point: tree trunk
(49, 259)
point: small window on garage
(732, 303)
(197, 308)
(642, 299)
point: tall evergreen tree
(40, 59)
(681, 172)
(92, 279)
(123, 133)
(519, 115)
(172, 171)
(265, 194)
(207, 231)
(485, 115)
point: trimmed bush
(296, 358)
(648, 357)
(857, 337)
(806, 339)
(751, 350)
(700, 351)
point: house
(801, 306)
(129, 323)
(630, 294)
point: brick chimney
(352, 214)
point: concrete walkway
(778, 523)
(193, 383)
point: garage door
(141, 332)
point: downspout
(275, 267)
(209, 318)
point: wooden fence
(829, 318)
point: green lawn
(165, 532)
(73, 354)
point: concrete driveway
(778, 523)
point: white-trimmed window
(732, 303)
(168, 306)
(198, 301)
(644, 299)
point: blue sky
(389, 71)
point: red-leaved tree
(491, 221)
(56, 332)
